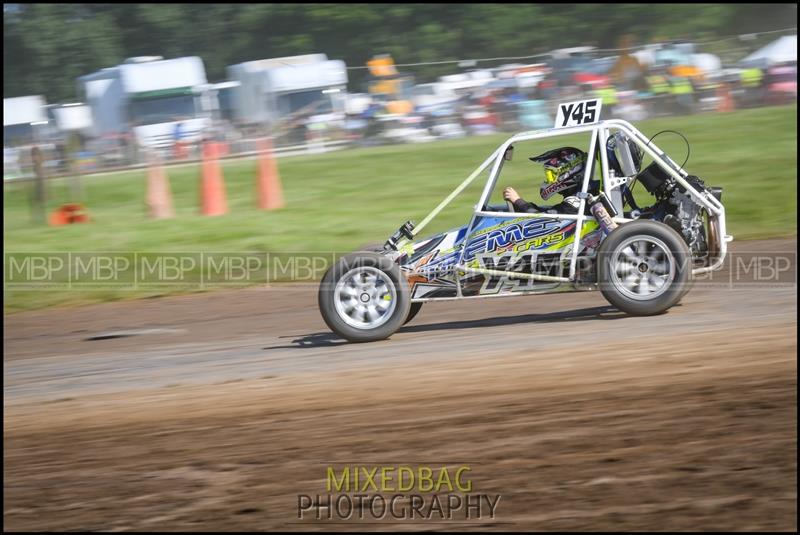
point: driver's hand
(510, 194)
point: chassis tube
(497, 273)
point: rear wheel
(364, 297)
(644, 268)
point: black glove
(521, 205)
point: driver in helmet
(563, 171)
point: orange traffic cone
(212, 187)
(159, 196)
(270, 193)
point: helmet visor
(550, 175)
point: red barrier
(69, 213)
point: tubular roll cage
(599, 137)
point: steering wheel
(510, 206)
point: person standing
(178, 135)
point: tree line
(47, 46)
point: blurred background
(96, 86)
(214, 411)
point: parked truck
(279, 93)
(151, 100)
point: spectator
(608, 94)
(179, 147)
(659, 91)
(683, 93)
(751, 80)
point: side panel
(540, 245)
(429, 265)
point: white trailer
(466, 81)
(224, 98)
(69, 118)
(149, 97)
(24, 124)
(24, 118)
(448, 89)
(433, 95)
(272, 90)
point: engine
(686, 218)
(676, 208)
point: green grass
(343, 200)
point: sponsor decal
(549, 264)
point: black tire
(412, 311)
(372, 247)
(674, 270)
(394, 279)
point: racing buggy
(642, 258)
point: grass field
(342, 200)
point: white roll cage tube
(600, 135)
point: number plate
(578, 113)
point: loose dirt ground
(214, 411)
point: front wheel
(643, 267)
(364, 297)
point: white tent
(781, 50)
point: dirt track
(224, 407)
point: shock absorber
(603, 211)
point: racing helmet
(563, 171)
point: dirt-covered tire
(364, 297)
(412, 311)
(644, 268)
